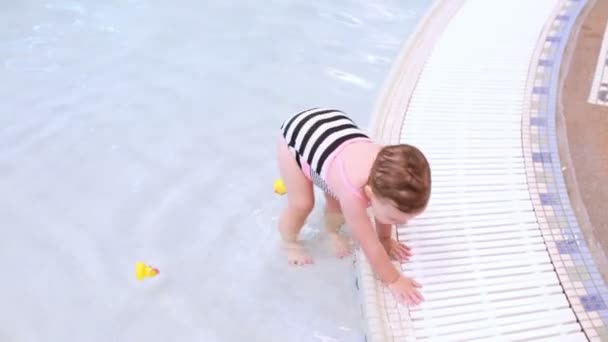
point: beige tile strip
(389, 112)
(386, 122)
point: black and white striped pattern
(319, 182)
(315, 133)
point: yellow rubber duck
(143, 271)
(279, 187)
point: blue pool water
(145, 130)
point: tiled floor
(484, 112)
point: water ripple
(349, 78)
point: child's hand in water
(396, 249)
(405, 291)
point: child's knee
(301, 207)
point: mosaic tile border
(580, 278)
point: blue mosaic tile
(584, 252)
(566, 246)
(553, 39)
(548, 199)
(568, 236)
(559, 212)
(540, 90)
(563, 17)
(545, 62)
(604, 316)
(538, 121)
(556, 166)
(593, 303)
(573, 229)
(542, 105)
(566, 229)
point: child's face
(386, 212)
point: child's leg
(333, 222)
(300, 202)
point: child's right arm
(403, 288)
(361, 227)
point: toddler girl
(325, 147)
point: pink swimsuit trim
(336, 154)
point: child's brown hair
(401, 173)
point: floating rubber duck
(279, 187)
(143, 271)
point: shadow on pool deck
(583, 133)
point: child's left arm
(393, 247)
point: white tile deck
(478, 250)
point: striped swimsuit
(315, 137)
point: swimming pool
(145, 130)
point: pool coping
(387, 118)
(385, 126)
(574, 264)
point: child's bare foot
(340, 244)
(297, 254)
